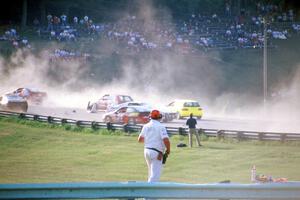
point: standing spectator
(50, 22)
(191, 122)
(86, 19)
(7, 35)
(56, 22)
(291, 15)
(13, 33)
(156, 140)
(15, 44)
(63, 18)
(75, 21)
(227, 9)
(25, 43)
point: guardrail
(238, 134)
(165, 190)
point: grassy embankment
(36, 152)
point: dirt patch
(5, 133)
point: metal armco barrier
(238, 134)
(165, 190)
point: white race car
(107, 101)
(13, 102)
(167, 114)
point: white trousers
(154, 166)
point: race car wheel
(17, 106)
(24, 107)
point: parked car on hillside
(13, 102)
(184, 107)
(107, 101)
(128, 114)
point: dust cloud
(285, 104)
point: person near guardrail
(191, 123)
(156, 141)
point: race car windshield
(141, 109)
(191, 104)
(126, 98)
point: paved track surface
(206, 123)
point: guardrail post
(181, 131)
(94, 125)
(201, 132)
(63, 121)
(109, 126)
(260, 136)
(49, 119)
(240, 135)
(126, 128)
(78, 123)
(283, 137)
(35, 117)
(220, 134)
(21, 115)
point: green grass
(37, 152)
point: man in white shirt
(155, 137)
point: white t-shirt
(154, 133)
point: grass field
(32, 152)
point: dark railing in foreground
(165, 190)
(238, 134)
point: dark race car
(32, 96)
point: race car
(13, 102)
(130, 103)
(184, 108)
(167, 114)
(32, 96)
(107, 101)
(128, 115)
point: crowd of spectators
(192, 33)
(66, 55)
(61, 29)
(15, 39)
(196, 32)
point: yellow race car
(185, 107)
